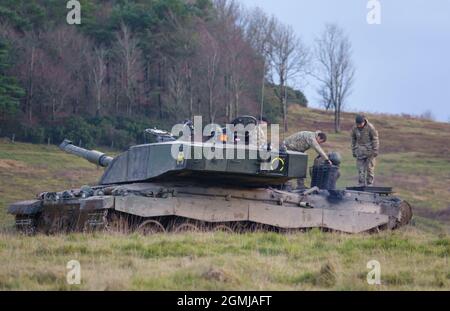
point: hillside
(414, 159)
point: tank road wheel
(257, 227)
(118, 224)
(223, 228)
(239, 227)
(26, 225)
(405, 214)
(186, 227)
(151, 227)
(58, 225)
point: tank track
(160, 208)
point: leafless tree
(28, 73)
(56, 85)
(427, 115)
(335, 71)
(98, 73)
(177, 84)
(289, 59)
(71, 49)
(180, 64)
(60, 69)
(258, 32)
(130, 58)
(230, 34)
(208, 64)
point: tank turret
(159, 162)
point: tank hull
(175, 207)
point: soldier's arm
(375, 140)
(353, 134)
(319, 149)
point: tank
(164, 187)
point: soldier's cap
(359, 119)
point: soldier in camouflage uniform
(365, 144)
(258, 135)
(301, 142)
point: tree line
(135, 64)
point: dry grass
(205, 261)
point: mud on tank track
(115, 222)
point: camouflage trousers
(366, 171)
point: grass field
(415, 159)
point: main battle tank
(149, 189)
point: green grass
(412, 160)
(220, 261)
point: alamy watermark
(374, 14)
(215, 142)
(73, 276)
(374, 275)
(74, 15)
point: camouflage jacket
(365, 142)
(303, 141)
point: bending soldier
(302, 141)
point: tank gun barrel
(92, 156)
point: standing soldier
(258, 135)
(303, 141)
(365, 146)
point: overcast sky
(403, 64)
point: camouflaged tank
(147, 189)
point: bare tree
(28, 75)
(208, 64)
(70, 48)
(289, 59)
(177, 84)
(131, 61)
(61, 68)
(98, 74)
(335, 71)
(258, 32)
(427, 115)
(179, 76)
(230, 34)
(56, 85)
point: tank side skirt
(211, 209)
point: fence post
(13, 138)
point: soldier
(365, 146)
(301, 142)
(258, 135)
